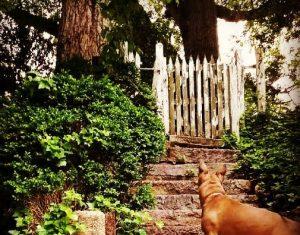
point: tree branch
(39, 23)
(271, 7)
(172, 11)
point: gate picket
(192, 97)
(185, 75)
(178, 97)
(172, 114)
(199, 115)
(220, 99)
(213, 98)
(207, 120)
(226, 97)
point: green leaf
(142, 232)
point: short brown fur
(224, 216)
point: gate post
(260, 81)
(234, 96)
(160, 85)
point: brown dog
(224, 216)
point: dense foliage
(88, 134)
(130, 221)
(24, 48)
(59, 132)
(61, 218)
(269, 145)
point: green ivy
(84, 133)
(23, 220)
(143, 197)
(130, 221)
(269, 145)
(60, 219)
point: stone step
(166, 171)
(200, 142)
(175, 183)
(175, 230)
(178, 202)
(192, 202)
(193, 155)
(177, 217)
(171, 187)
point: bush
(130, 221)
(60, 132)
(61, 218)
(143, 197)
(269, 144)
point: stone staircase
(174, 181)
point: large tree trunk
(197, 21)
(79, 31)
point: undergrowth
(269, 145)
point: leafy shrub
(269, 144)
(126, 75)
(23, 220)
(130, 81)
(59, 132)
(130, 221)
(143, 197)
(59, 219)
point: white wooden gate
(197, 98)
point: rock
(110, 223)
(177, 217)
(165, 187)
(200, 142)
(178, 202)
(175, 230)
(193, 155)
(166, 171)
(175, 183)
(192, 201)
(94, 222)
(97, 223)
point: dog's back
(230, 217)
(225, 216)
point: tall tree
(77, 32)
(78, 24)
(197, 19)
(80, 28)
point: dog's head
(208, 175)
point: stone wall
(97, 223)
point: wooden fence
(197, 98)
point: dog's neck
(209, 189)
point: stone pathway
(174, 181)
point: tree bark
(197, 20)
(40, 23)
(80, 31)
(260, 81)
(269, 8)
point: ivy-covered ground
(269, 144)
(78, 143)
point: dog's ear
(202, 167)
(221, 172)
